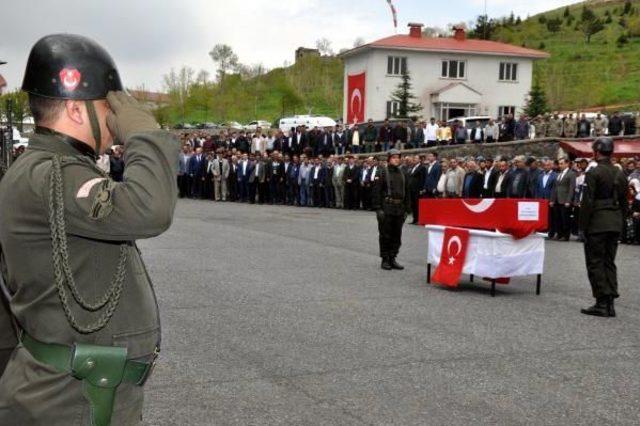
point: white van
(310, 121)
(470, 122)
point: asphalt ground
(281, 315)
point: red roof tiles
(470, 46)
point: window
(393, 107)
(396, 65)
(505, 110)
(454, 69)
(508, 71)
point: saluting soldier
(392, 202)
(602, 211)
(77, 286)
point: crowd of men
(346, 182)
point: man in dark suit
(276, 183)
(502, 181)
(385, 135)
(324, 140)
(544, 189)
(489, 179)
(339, 141)
(197, 173)
(242, 143)
(351, 183)
(472, 183)
(232, 179)
(417, 181)
(318, 172)
(534, 175)
(293, 190)
(245, 171)
(433, 170)
(518, 179)
(561, 199)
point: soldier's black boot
(600, 309)
(395, 265)
(610, 307)
(386, 264)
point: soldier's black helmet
(70, 66)
(603, 145)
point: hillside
(579, 74)
(313, 84)
(605, 71)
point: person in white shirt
(431, 133)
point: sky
(147, 38)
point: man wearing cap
(392, 202)
(74, 279)
(602, 211)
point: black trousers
(600, 254)
(415, 204)
(390, 234)
(183, 185)
(562, 220)
(351, 201)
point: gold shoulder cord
(62, 270)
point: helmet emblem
(70, 78)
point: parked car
(184, 126)
(207, 126)
(263, 124)
(310, 121)
(232, 125)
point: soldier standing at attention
(78, 290)
(602, 210)
(570, 127)
(392, 202)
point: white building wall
(482, 75)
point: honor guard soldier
(570, 127)
(392, 202)
(82, 302)
(602, 210)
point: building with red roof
(451, 76)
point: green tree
(589, 24)
(536, 101)
(567, 12)
(19, 106)
(484, 28)
(554, 25)
(627, 8)
(405, 98)
(226, 59)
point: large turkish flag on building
(355, 98)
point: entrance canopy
(456, 93)
(624, 148)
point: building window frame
(506, 110)
(454, 69)
(397, 65)
(393, 108)
(508, 72)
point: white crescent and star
(481, 207)
(356, 95)
(458, 243)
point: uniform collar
(46, 139)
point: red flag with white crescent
(454, 253)
(355, 98)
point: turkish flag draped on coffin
(518, 217)
(454, 253)
(355, 98)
